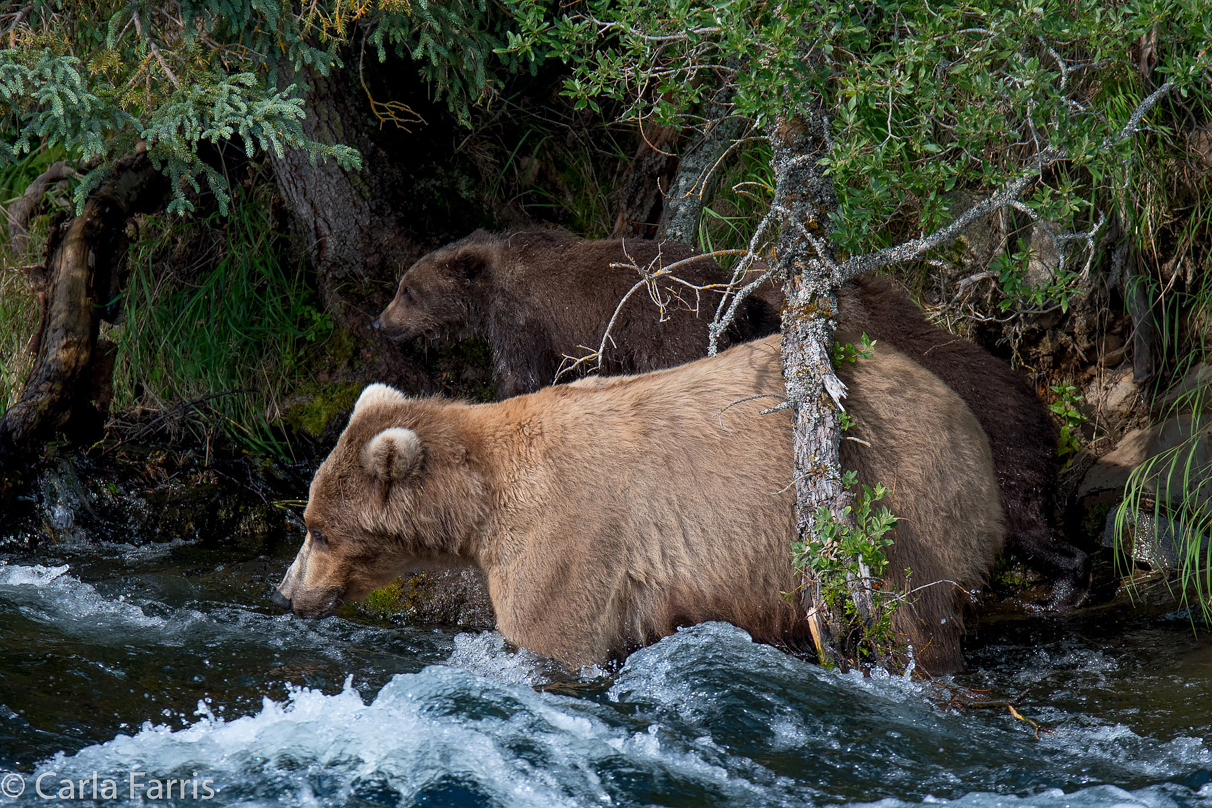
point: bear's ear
(379, 394)
(469, 263)
(392, 454)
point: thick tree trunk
(83, 257)
(640, 201)
(359, 230)
(804, 198)
(349, 232)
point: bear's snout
(280, 600)
(395, 326)
(325, 606)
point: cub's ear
(379, 394)
(470, 263)
(392, 454)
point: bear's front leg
(571, 612)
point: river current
(162, 676)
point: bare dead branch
(20, 211)
(15, 24)
(1010, 194)
(720, 414)
(155, 50)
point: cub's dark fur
(1021, 433)
(539, 297)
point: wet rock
(1045, 259)
(982, 241)
(1200, 144)
(1172, 462)
(452, 597)
(146, 496)
(1155, 540)
(1193, 391)
(65, 503)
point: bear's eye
(408, 293)
(319, 538)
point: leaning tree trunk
(803, 201)
(698, 169)
(82, 272)
(804, 198)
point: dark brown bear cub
(543, 298)
(1021, 433)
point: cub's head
(396, 493)
(434, 293)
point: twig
(164, 415)
(155, 50)
(1009, 195)
(720, 414)
(12, 29)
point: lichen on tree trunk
(697, 170)
(804, 198)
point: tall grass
(18, 319)
(742, 196)
(218, 343)
(1170, 205)
(1175, 486)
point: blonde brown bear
(607, 513)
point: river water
(124, 669)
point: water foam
(706, 716)
(437, 731)
(489, 654)
(50, 595)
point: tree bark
(83, 257)
(804, 197)
(640, 205)
(697, 171)
(359, 230)
(347, 231)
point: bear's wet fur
(1021, 434)
(608, 512)
(539, 297)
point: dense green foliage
(181, 76)
(925, 99)
(847, 554)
